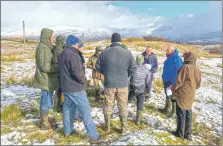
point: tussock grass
(24, 81)
(12, 58)
(40, 136)
(11, 113)
(219, 65)
(158, 85)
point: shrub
(155, 38)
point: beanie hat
(98, 49)
(72, 40)
(116, 37)
(139, 59)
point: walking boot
(123, 120)
(138, 117)
(173, 111)
(166, 106)
(44, 123)
(107, 123)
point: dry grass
(24, 81)
(12, 58)
(11, 113)
(158, 85)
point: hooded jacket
(188, 80)
(60, 41)
(45, 68)
(171, 65)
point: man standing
(116, 64)
(171, 65)
(138, 83)
(73, 82)
(187, 81)
(60, 41)
(97, 77)
(45, 75)
(150, 58)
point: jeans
(166, 85)
(184, 122)
(74, 101)
(46, 100)
(140, 99)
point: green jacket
(45, 69)
(60, 41)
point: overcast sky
(113, 16)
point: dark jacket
(171, 65)
(46, 71)
(72, 75)
(82, 59)
(151, 60)
(116, 64)
(188, 80)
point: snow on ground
(207, 106)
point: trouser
(150, 85)
(166, 85)
(184, 122)
(140, 99)
(46, 100)
(78, 101)
(121, 97)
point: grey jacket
(116, 64)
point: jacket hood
(175, 53)
(45, 37)
(190, 57)
(60, 41)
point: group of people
(61, 68)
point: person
(80, 53)
(60, 41)
(116, 64)
(187, 81)
(73, 82)
(139, 81)
(97, 77)
(45, 73)
(172, 64)
(150, 58)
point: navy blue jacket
(152, 60)
(72, 76)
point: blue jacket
(151, 60)
(171, 65)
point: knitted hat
(98, 49)
(72, 40)
(139, 59)
(116, 37)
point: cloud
(151, 9)
(83, 14)
(193, 24)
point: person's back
(118, 65)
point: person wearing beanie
(139, 81)
(96, 76)
(73, 82)
(60, 42)
(45, 75)
(187, 81)
(172, 64)
(116, 64)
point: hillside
(20, 102)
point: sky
(130, 18)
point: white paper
(168, 91)
(148, 66)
